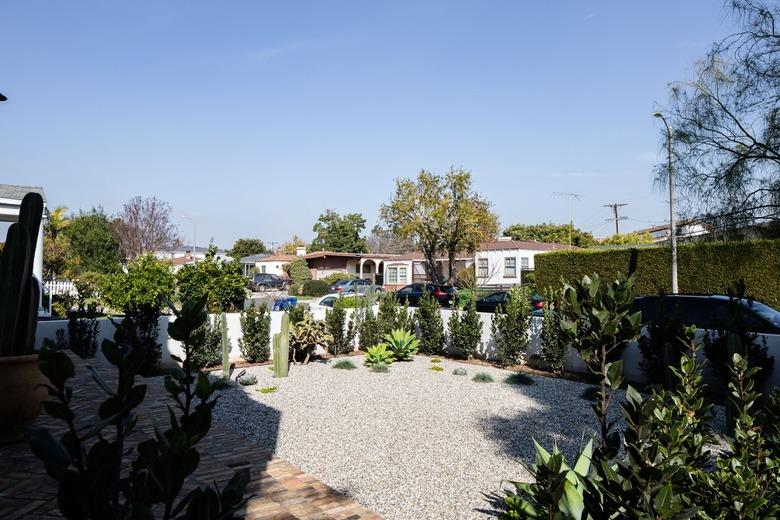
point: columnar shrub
(206, 343)
(465, 330)
(392, 315)
(256, 334)
(510, 327)
(341, 330)
(367, 325)
(554, 347)
(296, 314)
(661, 346)
(430, 325)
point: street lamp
(672, 219)
(194, 236)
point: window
(510, 267)
(524, 262)
(262, 268)
(402, 275)
(392, 275)
(328, 302)
(482, 267)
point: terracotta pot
(21, 395)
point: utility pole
(570, 196)
(615, 206)
(194, 237)
(672, 216)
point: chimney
(504, 239)
(300, 251)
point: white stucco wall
(274, 267)
(495, 261)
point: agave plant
(378, 354)
(558, 490)
(402, 344)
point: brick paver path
(279, 490)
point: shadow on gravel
(257, 422)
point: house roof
(323, 254)
(417, 255)
(279, 258)
(12, 191)
(251, 259)
(529, 245)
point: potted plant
(21, 390)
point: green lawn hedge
(708, 268)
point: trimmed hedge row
(704, 268)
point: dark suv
(266, 281)
(412, 294)
(709, 312)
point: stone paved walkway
(279, 490)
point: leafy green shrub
(353, 302)
(382, 368)
(465, 330)
(392, 315)
(378, 354)
(256, 334)
(344, 364)
(298, 271)
(206, 343)
(704, 268)
(315, 288)
(402, 344)
(221, 281)
(460, 372)
(83, 329)
(333, 278)
(430, 325)
(268, 389)
(342, 331)
(295, 313)
(436, 368)
(368, 330)
(99, 473)
(510, 325)
(662, 347)
(306, 335)
(554, 348)
(482, 377)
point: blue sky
(255, 117)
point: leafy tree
(144, 226)
(246, 247)
(430, 325)
(339, 233)
(299, 273)
(56, 247)
(141, 293)
(290, 247)
(726, 123)
(94, 246)
(627, 239)
(222, 281)
(440, 213)
(384, 241)
(552, 233)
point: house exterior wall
(273, 267)
(397, 273)
(497, 272)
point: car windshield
(342, 282)
(768, 313)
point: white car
(326, 302)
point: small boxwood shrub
(315, 288)
(703, 268)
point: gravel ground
(411, 443)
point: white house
(274, 264)
(502, 262)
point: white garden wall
(631, 356)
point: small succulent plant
(344, 364)
(247, 380)
(268, 389)
(482, 377)
(437, 368)
(435, 360)
(378, 354)
(460, 372)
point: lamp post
(672, 218)
(194, 237)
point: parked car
(355, 286)
(266, 281)
(411, 294)
(490, 302)
(709, 312)
(327, 301)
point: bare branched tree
(727, 124)
(384, 241)
(145, 225)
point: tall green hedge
(703, 268)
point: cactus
(225, 346)
(19, 294)
(281, 346)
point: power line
(617, 218)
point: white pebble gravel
(411, 443)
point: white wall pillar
(38, 264)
